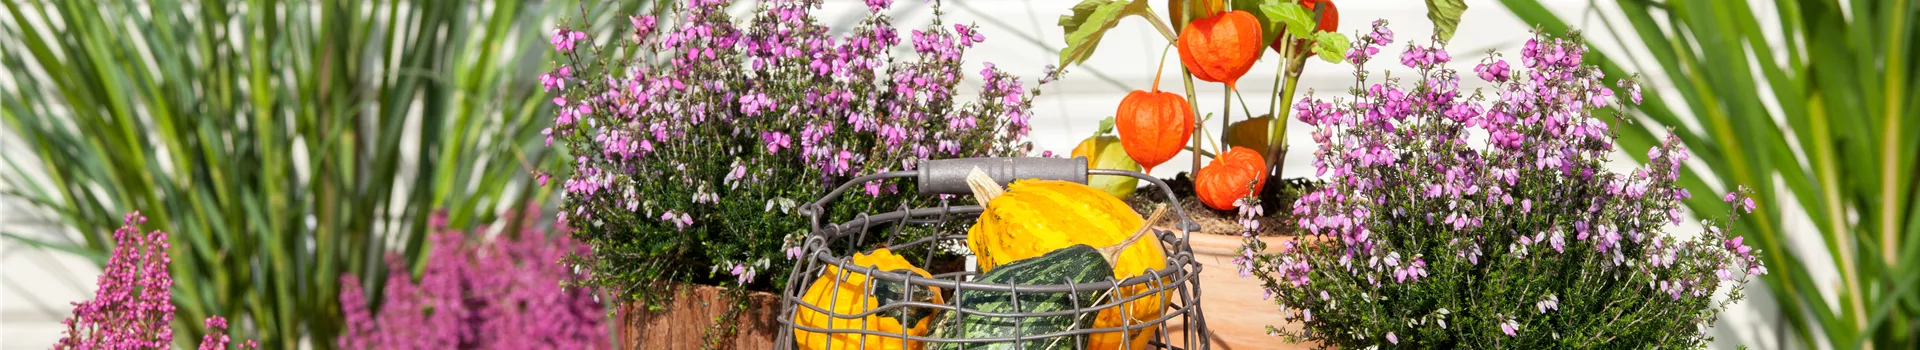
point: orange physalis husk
(1153, 125)
(1225, 179)
(1222, 47)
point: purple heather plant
(507, 292)
(1490, 220)
(132, 306)
(694, 136)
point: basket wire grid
(1177, 286)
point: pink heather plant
(502, 293)
(694, 135)
(1489, 219)
(216, 337)
(132, 306)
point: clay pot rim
(1219, 244)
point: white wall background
(38, 286)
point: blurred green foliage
(282, 143)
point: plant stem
(1244, 110)
(1194, 104)
(1187, 76)
(1226, 118)
(1273, 102)
(1160, 67)
(1277, 130)
(1161, 26)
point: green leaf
(97, 257)
(1269, 27)
(1445, 15)
(1296, 19)
(1106, 126)
(1331, 46)
(1089, 21)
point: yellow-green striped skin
(1034, 217)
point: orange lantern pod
(1225, 179)
(1153, 125)
(1222, 47)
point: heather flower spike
(132, 306)
(526, 302)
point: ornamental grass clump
(694, 136)
(1490, 219)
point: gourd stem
(1112, 252)
(983, 187)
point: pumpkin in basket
(1033, 217)
(845, 292)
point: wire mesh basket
(912, 302)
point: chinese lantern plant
(1218, 41)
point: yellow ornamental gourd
(1033, 217)
(845, 292)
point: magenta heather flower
(217, 338)
(1442, 205)
(556, 79)
(507, 292)
(563, 40)
(132, 306)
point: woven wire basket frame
(1178, 286)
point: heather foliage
(1489, 219)
(694, 135)
(132, 306)
(500, 293)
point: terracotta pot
(684, 323)
(1236, 309)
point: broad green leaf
(1297, 21)
(1089, 21)
(1331, 46)
(1445, 15)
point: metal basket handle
(949, 176)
